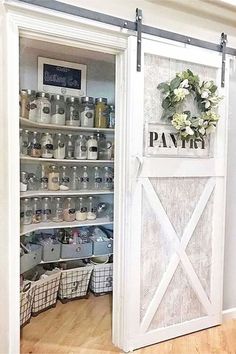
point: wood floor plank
(84, 327)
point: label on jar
(98, 179)
(83, 148)
(84, 179)
(46, 110)
(36, 146)
(93, 149)
(71, 211)
(108, 179)
(38, 211)
(49, 147)
(61, 145)
(87, 118)
(60, 110)
(28, 213)
(46, 211)
(55, 180)
(22, 214)
(83, 210)
(65, 179)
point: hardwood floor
(84, 327)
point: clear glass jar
(101, 112)
(81, 210)
(37, 210)
(43, 107)
(26, 212)
(24, 142)
(64, 179)
(109, 150)
(53, 178)
(92, 211)
(69, 147)
(33, 182)
(23, 181)
(47, 145)
(28, 106)
(80, 148)
(44, 178)
(92, 146)
(107, 178)
(87, 112)
(84, 179)
(69, 209)
(101, 139)
(96, 180)
(59, 146)
(46, 209)
(57, 209)
(58, 110)
(111, 121)
(74, 184)
(72, 111)
(35, 145)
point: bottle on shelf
(69, 147)
(81, 210)
(111, 123)
(101, 139)
(33, 182)
(35, 149)
(46, 209)
(53, 178)
(43, 108)
(24, 142)
(57, 209)
(64, 179)
(28, 106)
(74, 183)
(92, 212)
(84, 179)
(44, 178)
(92, 146)
(87, 112)
(101, 112)
(107, 178)
(23, 181)
(96, 179)
(59, 146)
(80, 152)
(37, 211)
(69, 209)
(47, 145)
(72, 111)
(26, 212)
(58, 116)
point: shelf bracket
(223, 49)
(139, 17)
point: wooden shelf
(28, 159)
(26, 123)
(59, 193)
(75, 259)
(54, 225)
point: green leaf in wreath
(163, 86)
(213, 88)
(190, 72)
(166, 103)
(175, 83)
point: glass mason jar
(57, 209)
(92, 146)
(111, 121)
(72, 111)
(107, 178)
(33, 182)
(69, 147)
(69, 209)
(28, 106)
(92, 211)
(58, 110)
(101, 112)
(87, 112)
(53, 178)
(47, 145)
(81, 210)
(37, 210)
(23, 181)
(84, 178)
(80, 152)
(44, 178)
(101, 139)
(35, 145)
(96, 179)
(24, 142)
(46, 209)
(64, 179)
(59, 146)
(26, 212)
(74, 184)
(43, 107)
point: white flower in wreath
(180, 94)
(210, 129)
(205, 94)
(180, 121)
(207, 104)
(202, 131)
(184, 83)
(189, 131)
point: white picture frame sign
(61, 77)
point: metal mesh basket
(46, 291)
(26, 303)
(102, 279)
(74, 283)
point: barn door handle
(139, 158)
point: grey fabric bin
(82, 250)
(31, 259)
(102, 247)
(51, 252)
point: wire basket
(26, 303)
(46, 291)
(102, 279)
(74, 283)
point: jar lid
(99, 135)
(26, 199)
(23, 173)
(53, 167)
(101, 100)
(28, 92)
(112, 107)
(57, 98)
(85, 167)
(36, 198)
(74, 167)
(43, 94)
(96, 167)
(87, 99)
(72, 99)
(90, 198)
(46, 198)
(63, 167)
(58, 199)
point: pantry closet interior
(67, 165)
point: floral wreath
(175, 92)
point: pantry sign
(161, 139)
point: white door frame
(43, 24)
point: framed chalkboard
(66, 78)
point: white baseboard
(229, 314)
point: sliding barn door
(175, 224)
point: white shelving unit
(28, 159)
(59, 193)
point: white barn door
(175, 234)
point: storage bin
(46, 291)
(74, 283)
(51, 252)
(80, 250)
(102, 279)
(26, 303)
(102, 247)
(31, 259)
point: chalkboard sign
(55, 76)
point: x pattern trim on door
(180, 250)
